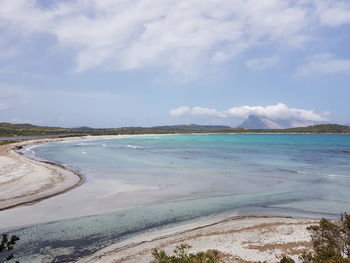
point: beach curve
(25, 181)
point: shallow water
(141, 183)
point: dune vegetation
(330, 244)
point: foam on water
(133, 146)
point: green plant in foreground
(181, 255)
(330, 240)
(6, 246)
(287, 259)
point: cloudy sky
(112, 63)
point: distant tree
(6, 246)
(181, 255)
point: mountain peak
(259, 122)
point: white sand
(24, 181)
(242, 239)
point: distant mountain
(260, 122)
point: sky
(117, 63)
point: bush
(330, 240)
(182, 256)
(287, 259)
(6, 246)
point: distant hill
(259, 122)
(192, 127)
(10, 130)
(322, 128)
(82, 128)
(19, 130)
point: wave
(30, 149)
(83, 144)
(133, 146)
(314, 174)
(326, 175)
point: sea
(133, 185)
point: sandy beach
(25, 181)
(239, 239)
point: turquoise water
(302, 168)
(142, 183)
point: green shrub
(287, 259)
(181, 255)
(330, 240)
(6, 246)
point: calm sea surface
(143, 183)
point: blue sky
(112, 63)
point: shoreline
(51, 176)
(134, 246)
(241, 238)
(17, 172)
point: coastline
(241, 239)
(268, 249)
(25, 181)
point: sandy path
(24, 181)
(242, 239)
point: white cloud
(325, 63)
(180, 111)
(279, 111)
(182, 34)
(130, 34)
(3, 106)
(261, 63)
(333, 13)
